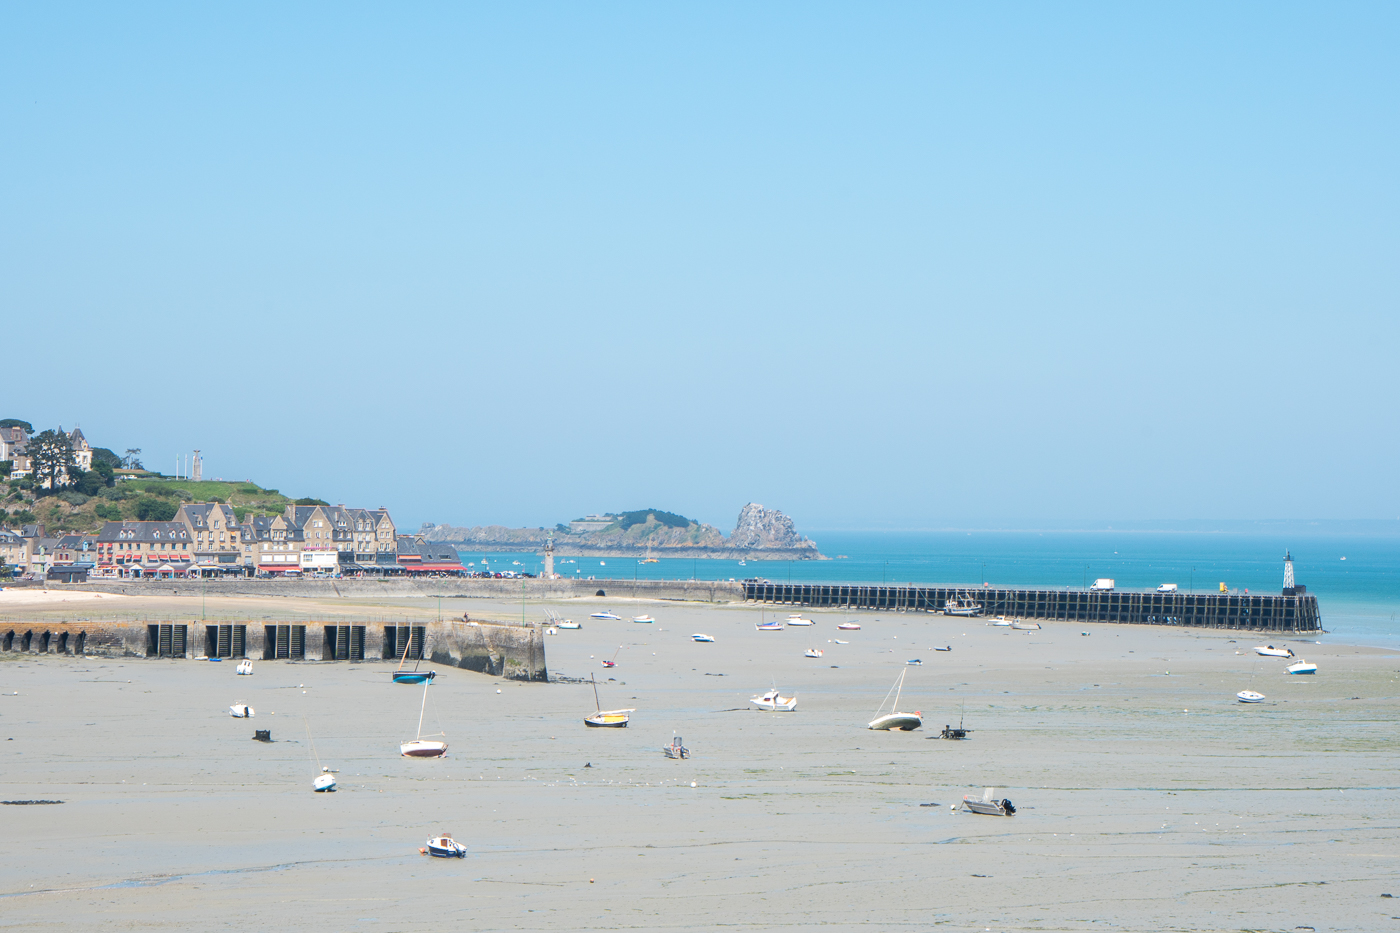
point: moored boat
(796, 619)
(962, 606)
(325, 781)
(1302, 667)
(444, 846)
(701, 637)
(1249, 696)
(1269, 651)
(421, 747)
(1026, 626)
(812, 653)
(569, 624)
(774, 702)
(413, 677)
(895, 720)
(245, 667)
(987, 804)
(606, 615)
(241, 711)
(849, 626)
(645, 619)
(606, 718)
(769, 627)
(675, 750)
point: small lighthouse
(549, 560)
(1289, 586)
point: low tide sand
(1148, 799)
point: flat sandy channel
(1148, 798)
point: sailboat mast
(422, 708)
(898, 692)
(597, 704)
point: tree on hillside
(151, 509)
(103, 455)
(132, 459)
(51, 456)
(16, 423)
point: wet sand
(1147, 798)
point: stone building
(216, 533)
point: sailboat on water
(421, 747)
(894, 719)
(606, 718)
(414, 676)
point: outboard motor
(1006, 804)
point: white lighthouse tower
(1289, 587)
(549, 559)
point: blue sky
(914, 266)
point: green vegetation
(108, 513)
(307, 500)
(626, 520)
(16, 423)
(153, 509)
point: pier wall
(515, 652)
(1283, 614)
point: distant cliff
(759, 534)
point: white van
(1167, 588)
(1103, 584)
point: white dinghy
(1249, 696)
(894, 719)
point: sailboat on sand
(421, 747)
(606, 718)
(414, 676)
(894, 719)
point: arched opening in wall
(600, 593)
(9, 639)
(80, 643)
(44, 642)
(25, 640)
(62, 642)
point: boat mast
(597, 704)
(421, 709)
(895, 708)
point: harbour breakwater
(1282, 614)
(512, 651)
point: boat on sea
(987, 804)
(894, 719)
(849, 626)
(414, 676)
(1026, 626)
(644, 619)
(606, 615)
(241, 711)
(963, 605)
(774, 702)
(1302, 667)
(1249, 696)
(675, 750)
(700, 637)
(796, 619)
(812, 653)
(245, 667)
(606, 718)
(421, 747)
(1269, 651)
(444, 846)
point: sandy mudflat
(1147, 800)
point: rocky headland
(759, 534)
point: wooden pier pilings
(1284, 614)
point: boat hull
(445, 847)
(323, 784)
(1302, 667)
(774, 704)
(423, 749)
(897, 722)
(413, 677)
(607, 721)
(1249, 696)
(848, 627)
(988, 807)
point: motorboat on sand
(1302, 667)
(444, 846)
(849, 626)
(798, 620)
(774, 702)
(241, 711)
(987, 804)
(645, 619)
(245, 667)
(1269, 651)
(675, 750)
(325, 781)
(812, 653)
(605, 615)
(701, 637)
(1249, 696)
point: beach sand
(1148, 799)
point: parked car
(1167, 588)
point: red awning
(436, 567)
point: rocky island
(759, 534)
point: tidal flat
(1147, 797)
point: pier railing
(1284, 614)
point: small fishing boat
(606, 615)
(421, 747)
(569, 624)
(1002, 620)
(987, 804)
(1302, 667)
(644, 619)
(1249, 696)
(675, 750)
(773, 702)
(796, 619)
(606, 718)
(325, 782)
(849, 626)
(245, 667)
(769, 627)
(812, 653)
(699, 637)
(894, 719)
(964, 605)
(947, 648)
(444, 846)
(414, 676)
(241, 711)
(1026, 626)
(1269, 651)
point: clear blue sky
(900, 266)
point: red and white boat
(849, 626)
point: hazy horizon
(906, 265)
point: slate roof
(143, 531)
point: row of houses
(206, 539)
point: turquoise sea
(1359, 597)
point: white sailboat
(894, 719)
(325, 781)
(421, 747)
(606, 718)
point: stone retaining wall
(457, 587)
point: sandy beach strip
(1147, 797)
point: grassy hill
(132, 498)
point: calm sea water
(1359, 597)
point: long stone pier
(1283, 614)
